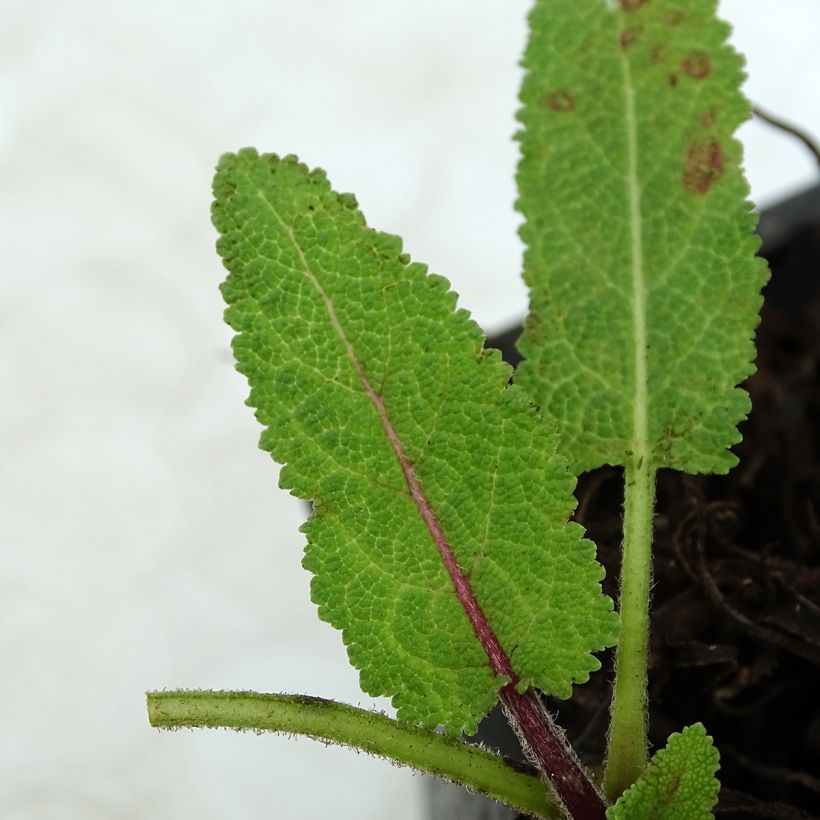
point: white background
(144, 541)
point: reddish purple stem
(543, 742)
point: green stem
(518, 787)
(627, 754)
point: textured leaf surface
(640, 246)
(352, 351)
(678, 784)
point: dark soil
(736, 597)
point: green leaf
(640, 246)
(679, 783)
(384, 408)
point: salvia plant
(442, 482)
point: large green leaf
(679, 783)
(379, 399)
(640, 246)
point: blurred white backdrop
(144, 541)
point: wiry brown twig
(804, 137)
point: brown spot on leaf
(708, 118)
(629, 36)
(673, 80)
(560, 101)
(704, 165)
(632, 5)
(697, 65)
(657, 54)
(674, 17)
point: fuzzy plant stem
(545, 744)
(627, 754)
(331, 722)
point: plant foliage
(640, 242)
(678, 784)
(440, 543)
(379, 399)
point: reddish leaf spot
(708, 118)
(674, 17)
(629, 36)
(560, 101)
(697, 65)
(704, 165)
(657, 54)
(632, 5)
(673, 80)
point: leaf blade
(678, 784)
(640, 246)
(367, 378)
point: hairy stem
(328, 721)
(627, 754)
(547, 747)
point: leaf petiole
(627, 753)
(328, 721)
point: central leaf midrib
(497, 657)
(640, 397)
